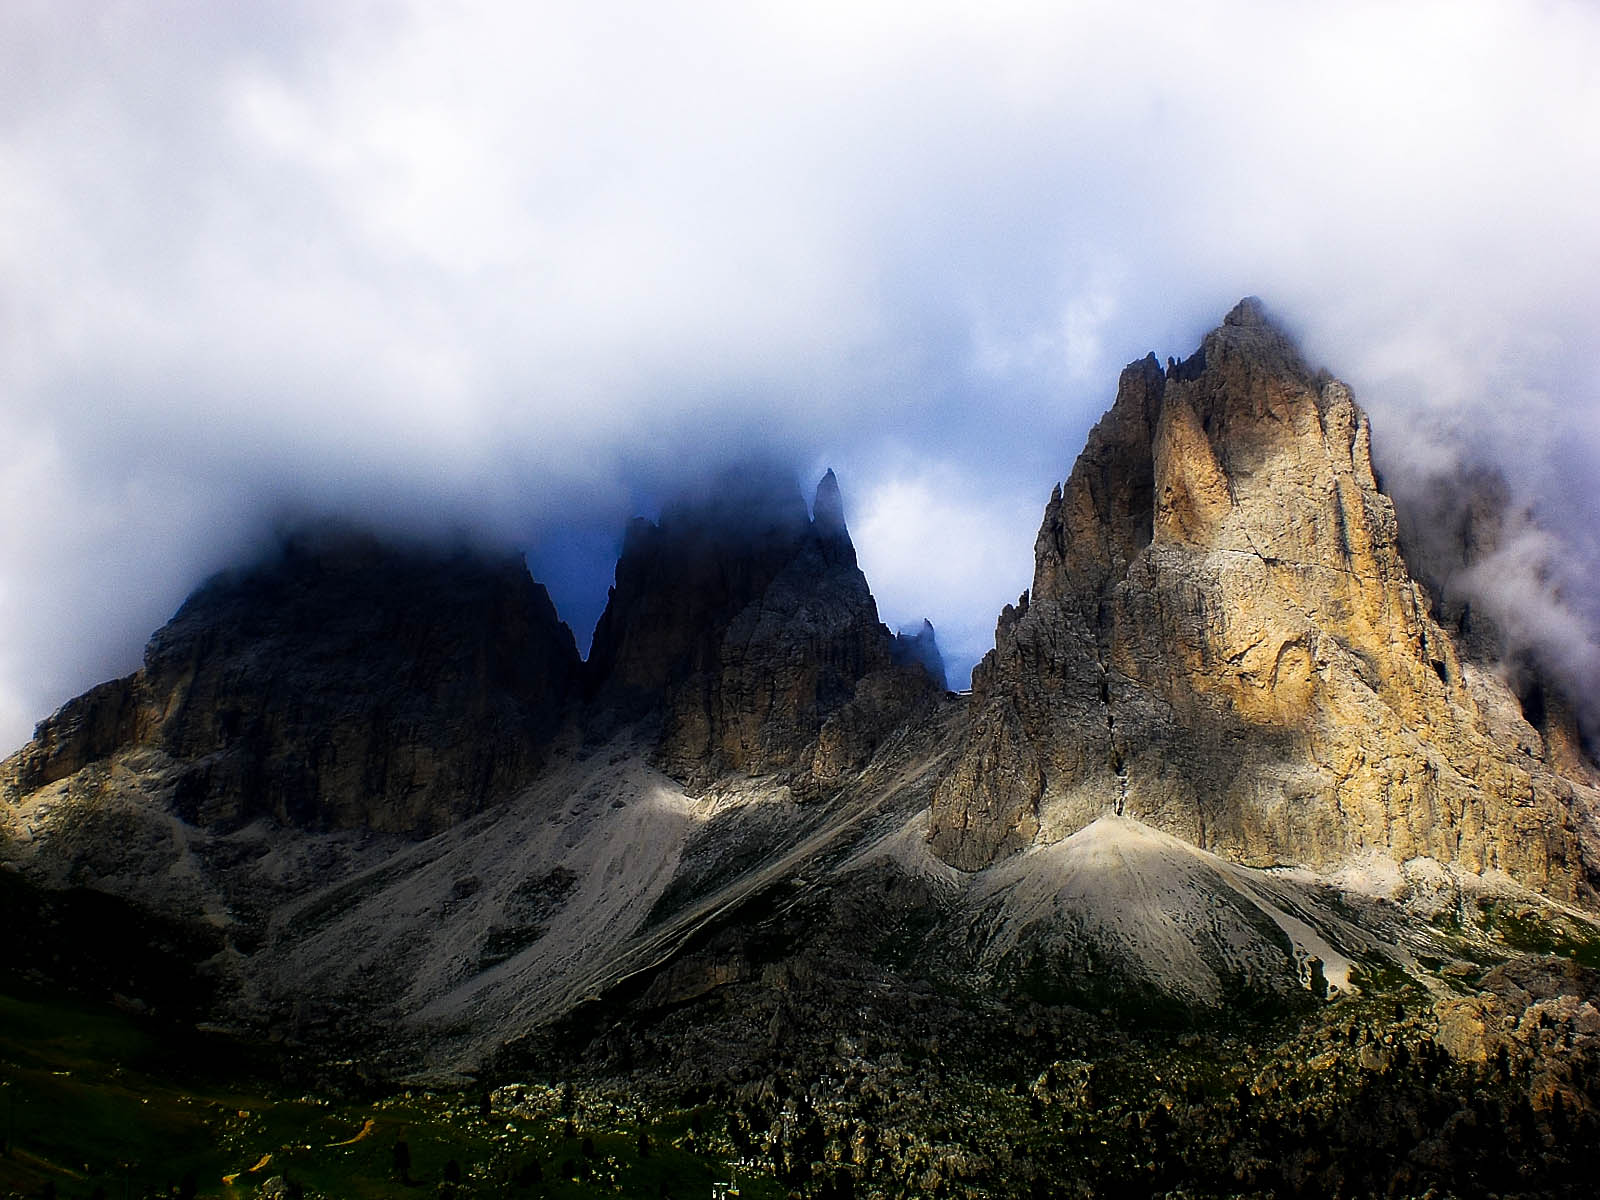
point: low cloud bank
(523, 273)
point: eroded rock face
(82, 731)
(1223, 640)
(748, 625)
(345, 684)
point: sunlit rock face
(746, 624)
(344, 684)
(1223, 640)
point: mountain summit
(1223, 641)
(342, 683)
(743, 624)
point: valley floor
(1383, 1093)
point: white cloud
(497, 264)
(935, 541)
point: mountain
(1242, 777)
(1223, 640)
(745, 624)
(920, 649)
(343, 684)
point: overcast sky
(514, 269)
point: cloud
(517, 269)
(910, 518)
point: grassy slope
(93, 1097)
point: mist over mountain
(424, 271)
(1260, 758)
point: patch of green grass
(92, 1097)
(1527, 930)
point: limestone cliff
(1223, 640)
(747, 625)
(344, 684)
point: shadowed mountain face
(1223, 640)
(1494, 578)
(345, 684)
(350, 684)
(920, 649)
(746, 625)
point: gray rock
(743, 622)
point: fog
(519, 272)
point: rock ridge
(346, 683)
(1224, 641)
(920, 649)
(746, 624)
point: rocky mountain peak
(717, 547)
(745, 628)
(1249, 312)
(1250, 340)
(827, 520)
(1223, 640)
(345, 681)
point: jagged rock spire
(1224, 641)
(748, 632)
(827, 522)
(1249, 311)
(827, 510)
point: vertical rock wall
(345, 684)
(747, 625)
(1223, 640)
